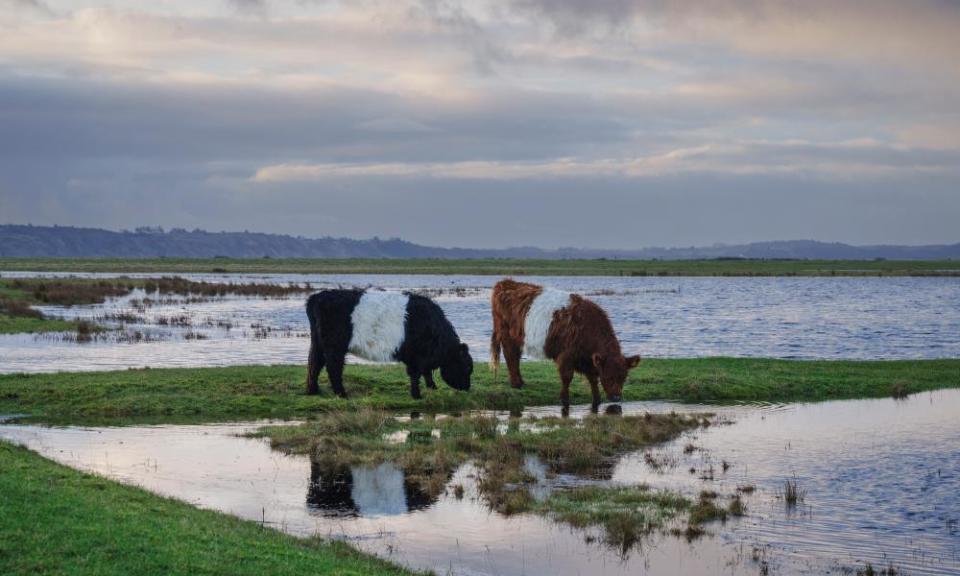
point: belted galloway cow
(384, 327)
(567, 328)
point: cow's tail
(495, 342)
(494, 353)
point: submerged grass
(624, 514)
(792, 493)
(55, 520)
(429, 450)
(80, 291)
(17, 297)
(180, 394)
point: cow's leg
(335, 372)
(566, 377)
(594, 388)
(314, 366)
(414, 374)
(511, 352)
(428, 379)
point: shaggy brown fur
(581, 339)
(510, 303)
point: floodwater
(804, 318)
(881, 483)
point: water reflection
(881, 477)
(363, 491)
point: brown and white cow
(566, 328)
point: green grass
(55, 520)
(17, 316)
(627, 514)
(26, 324)
(243, 392)
(494, 266)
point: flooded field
(877, 481)
(806, 318)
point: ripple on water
(804, 318)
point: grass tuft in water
(792, 493)
(736, 507)
(624, 514)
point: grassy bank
(495, 267)
(18, 316)
(55, 520)
(278, 391)
(26, 324)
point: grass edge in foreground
(57, 520)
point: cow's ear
(632, 361)
(597, 360)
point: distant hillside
(69, 242)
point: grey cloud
(502, 133)
(60, 118)
(250, 6)
(26, 5)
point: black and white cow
(384, 327)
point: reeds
(18, 309)
(792, 493)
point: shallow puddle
(881, 481)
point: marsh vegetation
(428, 450)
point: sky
(487, 123)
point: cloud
(258, 7)
(35, 6)
(838, 159)
(240, 108)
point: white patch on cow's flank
(537, 324)
(378, 325)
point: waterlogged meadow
(499, 481)
(653, 487)
(222, 320)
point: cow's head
(456, 367)
(613, 372)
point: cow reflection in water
(363, 491)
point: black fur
(330, 331)
(429, 342)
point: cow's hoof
(614, 410)
(516, 386)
